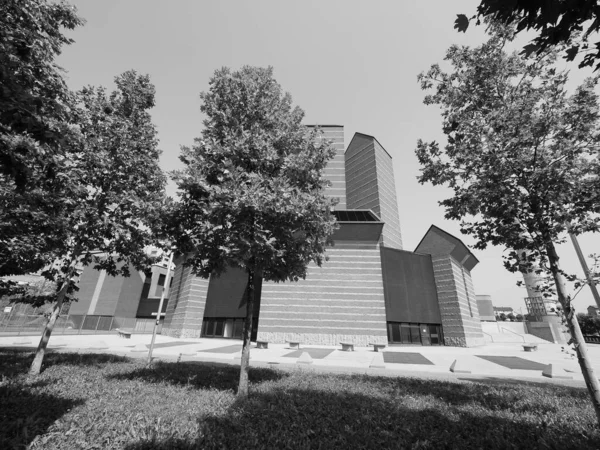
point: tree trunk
(36, 365)
(253, 278)
(577, 337)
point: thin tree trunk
(253, 277)
(589, 376)
(36, 365)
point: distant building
(370, 290)
(593, 311)
(136, 296)
(486, 308)
(503, 309)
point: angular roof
(358, 135)
(438, 242)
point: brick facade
(452, 262)
(185, 310)
(342, 301)
(370, 185)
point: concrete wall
(105, 295)
(504, 327)
(342, 301)
(409, 287)
(486, 308)
(551, 329)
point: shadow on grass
(306, 418)
(17, 362)
(200, 375)
(25, 414)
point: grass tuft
(108, 402)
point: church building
(371, 290)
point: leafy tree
(36, 131)
(511, 317)
(113, 191)
(502, 317)
(519, 317)
(252, 194)
(522, 158)
(555, 21)
(589, 324)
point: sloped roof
(439, 242)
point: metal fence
(73, 324)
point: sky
(345, 62)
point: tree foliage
(252, 192)
(252, 195)
(590, 325)
(37, 131)
(522, 155)
(113, 191)
(522, 158)
(557, 22)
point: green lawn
(110, 402)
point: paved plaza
(493, 362)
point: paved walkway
(493, 362)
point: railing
(73, 324)
(491, 337)
(591, 339)
(513, 332)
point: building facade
(370, 290)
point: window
(161, 279)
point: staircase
(505, 338)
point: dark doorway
(414, 333)
(227, 328)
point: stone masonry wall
(342, 301)
(458, 308)
(185, 310)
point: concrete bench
(347, 347)
(262, 344)
(530, 347)
(124, 334)
(294, 344)
(377, 347)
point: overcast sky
(352, 63)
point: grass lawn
(110, 402)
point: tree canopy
(37, 131)
(252, 191)
(556, 22)
(522, 158)
(252, 195)
(111, 196)
(522, 155)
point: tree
(589, 324)
(510, 317)
(252, 192)
(522, 158)
(112, 191)
(555, 21)
(502, 317)
(36, 131)
(519, 317)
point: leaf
(572, 53)
(461, 23)
(530, 49)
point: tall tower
(335, 170)
(370, 185)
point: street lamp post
(586, 270)
(160, 306)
